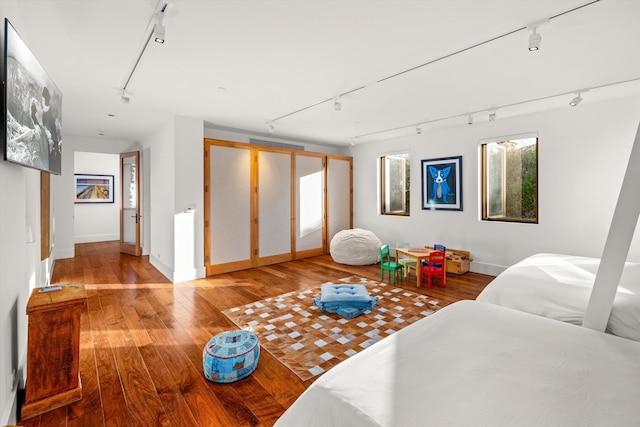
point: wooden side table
(53, 349)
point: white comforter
(559, 287)
(477, 364)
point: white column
(623, 225)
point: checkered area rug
(310, 341)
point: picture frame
(32, 108)
(91, 188)
(442, 183)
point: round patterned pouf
(230, 356)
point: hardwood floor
(142, 339)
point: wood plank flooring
(142, 339)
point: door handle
(137, 217)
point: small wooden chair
(436, 267)
(436, 247)
(439, 247)
(407, 263)
(388, 265)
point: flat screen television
(32, 108)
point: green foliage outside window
(394, 184)
(510, 180)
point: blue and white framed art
(442, 183)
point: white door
(274, 207)
(339, 189)
(310, 205)
(228, 230)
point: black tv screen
(33, 108)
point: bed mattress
(478, 364)
(559, 286)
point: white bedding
(477, 364)
(559, 287)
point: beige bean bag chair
(355, 247)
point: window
(394, 184)
(510, 180)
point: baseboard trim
(486, 268)
(9, 415)
(184, 275)
(10, 407)
(96, 238)
(162, 268)
(64, 253)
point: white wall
(20, 266)
(161, 195)
(63, 196)
(582, 157)
(176, 177)
(244, 137)
(19, 271)
(189, 182)
(98, 222)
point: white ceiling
(239, 64)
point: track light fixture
(125, 96)
(577, 100)
(534, 40)
(272, 126)
(418, 130)
(493, 109)
(158, 31)
(337, 104)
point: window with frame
(510, 180)
(394, 184)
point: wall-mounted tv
(32, 108)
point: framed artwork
(94, 188)
(32, 106)
(442, 184)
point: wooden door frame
(255, 260)
(125, 247)
(45, 215)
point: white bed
(559, 287)
(477, 364)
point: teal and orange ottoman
(230, 356)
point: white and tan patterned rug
(310, 341)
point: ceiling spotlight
(534, 40)
(353, 141)
(337, 105)
(470, 119)
(158, 31)
(577, 100)
(492, 116)
(125, 99)
(418, 130)
(272, 127)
